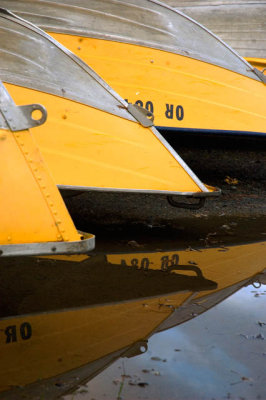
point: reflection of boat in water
(174, 66)
(93, 139)
(34, 219)
(199, 305)
(114, 305)
(88, 310)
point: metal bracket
(18, 118)
(258, 280)
(143, 116)
(136, 349)
(189, 206)
(260, 74)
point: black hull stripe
(212, 132)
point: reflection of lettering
(172, 264)
(134, 262)
(144, 263)
(24, 331)
(11, 334)
(167, 262)
(141, 264)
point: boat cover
(147, 23)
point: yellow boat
(258, 62)
(42, 336)
(34, 219)
(161, 59)
(93, 139)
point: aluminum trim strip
(215, 193)
(48, 248)
(180, 160)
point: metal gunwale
(257, 75)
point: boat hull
(89, 149)
(183, 93)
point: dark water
(218, 355)
(162, 316)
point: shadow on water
(65, 319)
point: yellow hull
(34, 219)
(86, 148)
(182, 92)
